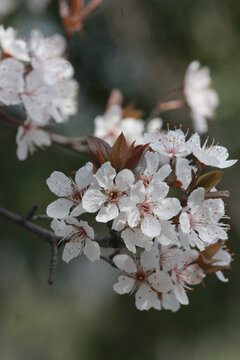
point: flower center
(145, 207)
(113, 196)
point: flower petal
(160, 281)
(91, 250)
(59, 208)
(92, 200)
(107, 213)
(59, 184)
(124, 285)
(146, 298)
(125, 263)
(105, 176)
(72, 250)
(151, 226)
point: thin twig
(9, 118)
(104, 258)
(78, 144)
(44, 234)
(41, 217)
(53, 263)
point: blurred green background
(143, 48)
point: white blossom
(13, 46)
(147, 206)
(154, 125)
(210, 155)
(29, 137)
(46, 54)
(199, 221)
(11, 81)
(140, 276)
(184, 171)
(109, 126)
(200, 96)
(69, 191)
(170, 143)
(110, 189)
(80, 236)
(183, 273)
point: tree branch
(78, 144)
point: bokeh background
(143, 48)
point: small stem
(171, 105)
(9, 118)
(104, 258)
(78, 144)
(53, 263)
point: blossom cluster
(35, 74)
(167, 215)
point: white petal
(169, 302)
(60, 228)
(150, 260)
(180, 294)
(160, 281)
(167, 208)
(124, 285)
(59, 184)
(196, 198)
(145, 298)
(221, 276)
(167, 233)
(163, 172)
(91, 250)
(105, 176)
(124, 179)
(107, 213)
(72, 250)
(92, 200)
(185, 222)
(125, 263)
(59, 208)
(151, 226)
(133, 217)
(84, 176)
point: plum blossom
(11, 45)
(210, 155)
(148, 206)
(200, 96)
(80, 236)
(29, 137)
(221, 258)
(140, 276)
(151, 170)
(170, 143)
(11, 81)
(110, 125)
(154, 125)
(183, 273)
(69, 191)
(199, 221)
(46, 54)
(110, 189)
(183, 172)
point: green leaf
(209, 180)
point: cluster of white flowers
(168, 236)
(201, 98)
(112, 123)
(36, 75)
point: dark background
(143, 48)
